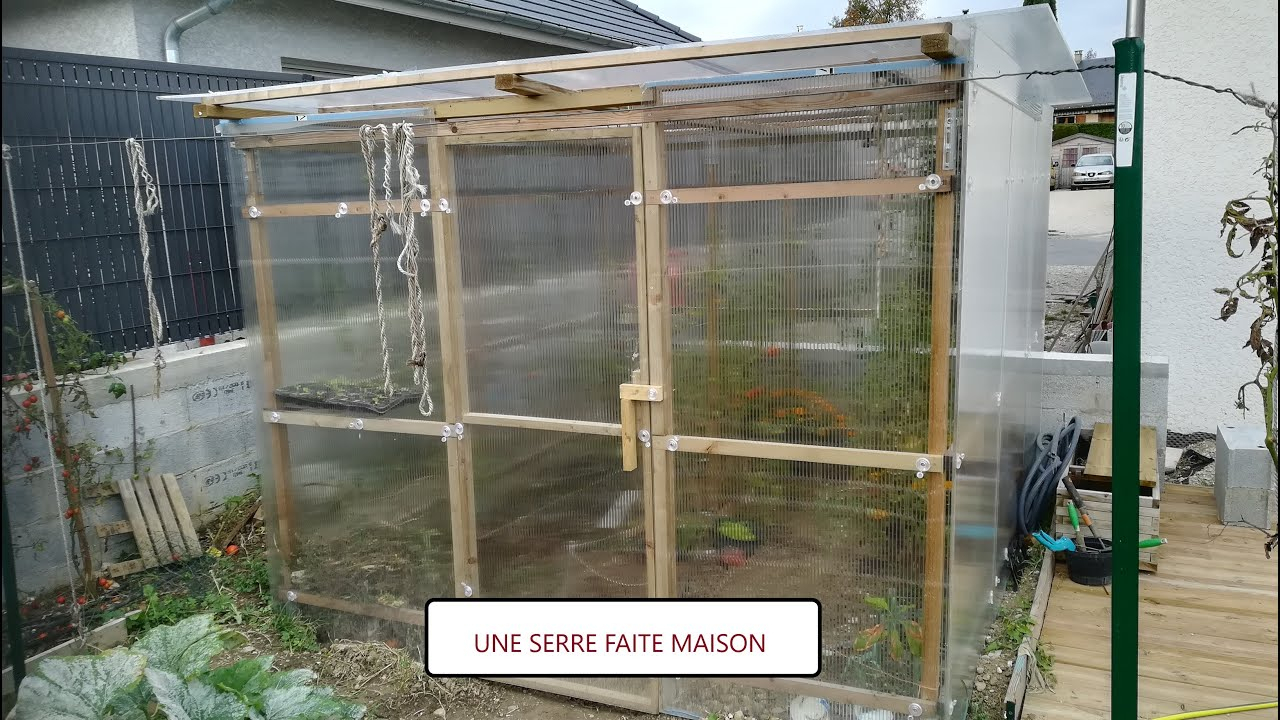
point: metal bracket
(949, 140)
(635, 198)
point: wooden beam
(642, 373)
(403, 426)
(838, 693)
(223, 112)
(577, 100)
(801, 190)
(453, 369)
(580, 427)
(316, 209)
(853, 457)
(525, 87)
(641, 392)
(597, 133)
(939, 46)
(382, 612)
(583, 691)
(939, 431)
(585, 61)
(928, 92)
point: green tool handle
(1075, 516)
(1151, 542)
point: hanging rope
(398, 216)
(146, 201)
(44, 397)
(378, 224)
(411, 193)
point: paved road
(1079, 225)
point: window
(1064, 120)
(1069, 156)
(1091, 150)
(322, 69)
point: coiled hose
(1040, 484)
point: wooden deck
(1207, 630)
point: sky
(1087, 24)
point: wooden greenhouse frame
(519, 104)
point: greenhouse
(736, 319)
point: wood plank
(128, 567)
(590, 133)
(525, 87)
(1026, 655)
(400, 426)
(579, 427)
(168, 520)
(771, 105)
(183, 516)
(604, 696)
(137, 522)
(801, 190)
(321, 209)
(630, 454)
(649, 457)
(225, 112)
(382, 612)
(453, 369)
(119, 527)
(940, 314)
(855, 457)
(154, 527)
(833, 692)
(578, 100)
(939, 46)
(641, 392)
(1098, 462)
(613, 58)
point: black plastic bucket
(1091, 565)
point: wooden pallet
(158, 518)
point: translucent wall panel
(851, 537)
(548, 272)
(556, 516)
(323, 282)
(371, 518)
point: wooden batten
(801, 190)
(524, 422)
(525, 87)
(853, 457)
(404, 426)
(228, 112)
(939, 46)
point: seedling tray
(342, 395)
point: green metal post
(1126, 370)
(13, 616)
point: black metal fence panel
(65, 120)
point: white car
(1094, 170)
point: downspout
(183, 23)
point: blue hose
(1039, 486)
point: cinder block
(1242, 479)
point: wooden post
(658, 308)
(935, 545)
(453, 364)
(272, 374)
(54, 393)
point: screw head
(275, 417)
(467, 591)
(915, 710)
(291, 596)
(653, 393)
(254, 212)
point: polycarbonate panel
(548, 273)
(323, 279)
(371, 522)
(851, 537)
(556, 516)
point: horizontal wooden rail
(403, 426)
(581, 427)
(736, 108)
(408, 616)
(617, 58)
(592, 133)
(855, 457)
(590, 693)
(800, 190)
(320, 209)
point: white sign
(1126, 117)
(647, 638)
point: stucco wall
(1193, 167)
(255, 34)
(201, 427)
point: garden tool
(1054, 545)
(1151, 542)
(1079, 505)
(1075, 523)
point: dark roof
(1100, 81)
(613, 22)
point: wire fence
(66, 118)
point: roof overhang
(494, 22)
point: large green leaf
(81, 688)
(878, 603)
(303, 702)
(184, 649)
(246, 678)
(193, 700)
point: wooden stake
(935, 545)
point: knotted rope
(400, 221)
(146, 201)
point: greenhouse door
(546, 289)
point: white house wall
(255, 34)
(1193, 167)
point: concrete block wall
(201, 427)
(1080, 384)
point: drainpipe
(182, 23)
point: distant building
(330, 38)
(1101, 82)
(1064, 152)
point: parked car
(1094, 170)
